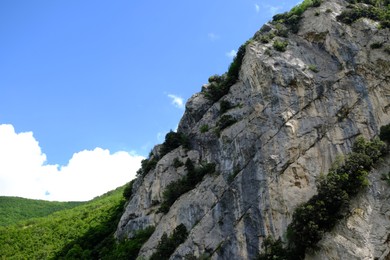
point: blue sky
(112, 75)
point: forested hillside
(14, 209)
(81, 232)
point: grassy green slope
(14, 209)
(54, 235)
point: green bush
(384, 134)
(220, 85)
(273, 250)
(129, 248)
(376, 45)
(280, 45)
(224, 106)
(386, 177)
(172, 141)
(350, 16)
(215, 78)
(378, 10)
(128, 191)
(146, 166)
(281, 30)
(322, 212)
(175, 189)
(235, 66)
(292, 18)
(204, 128)
(265, 39)
(313, 68)
(217, 90)
(167, 245)
(226, 121)
(177, 163)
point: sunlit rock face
(295, 112)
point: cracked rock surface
(291, 123)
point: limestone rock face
(295, 112)
(365, 232)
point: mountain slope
(77, 231)
(304, 87)
(14, 209)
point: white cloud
(24, 172)
(231, 54)
(213, 36)
(177, 101)
(257, 8)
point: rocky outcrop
(365, 232)
(294, 112)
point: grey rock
(292, 123)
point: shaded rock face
(295, 112)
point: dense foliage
(224, 106)
(384, 134)
(128, 191)
(147, 165)
(377, 10)
(204, 128)
(177, 188)
(280, 45)
(292, 18)
(167, 245)
(220, 85)
(226, 121)
(13, 209)
(129, 248)
(322, 212)
(172, 141)
(83, 230)
(273, 250)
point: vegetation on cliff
(323, 211)
(220, 85)
(377, 10)
(177, 188)
(167, 245)
(292, 18)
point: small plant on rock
(376, 45)
(226, 121)
(225, 106)
(280, 45)
(313, 68)
(204, 128)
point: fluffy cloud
(231, 54)
(177, 101)
(25, 173)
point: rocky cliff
(302, 97)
